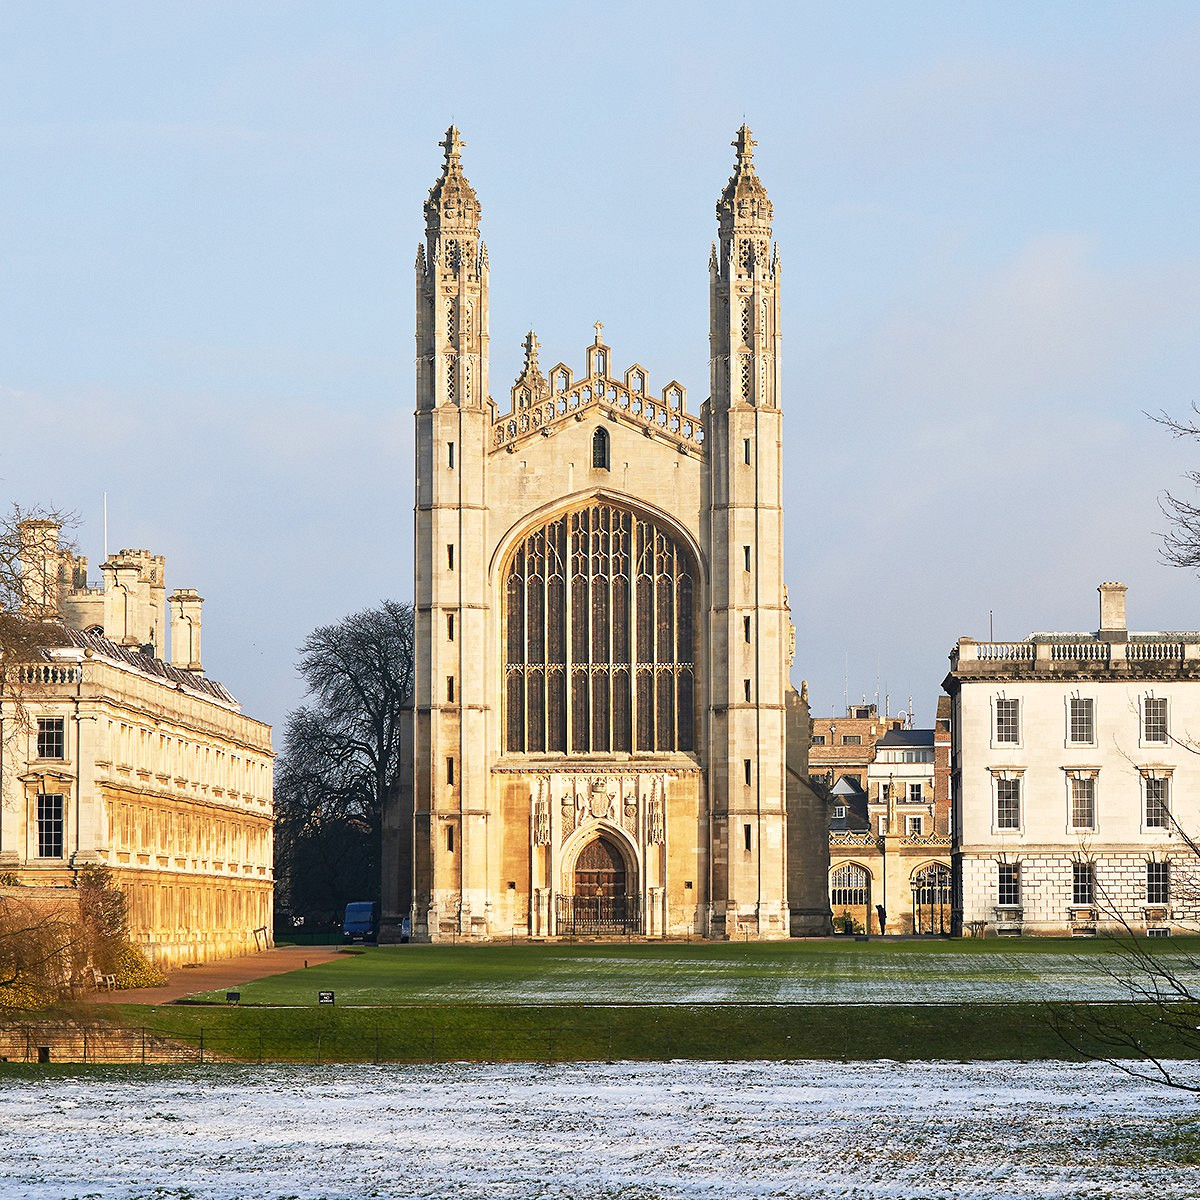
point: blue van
(362, 922)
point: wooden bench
(102, 981)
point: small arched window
(600, 449)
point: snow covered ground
(633, 1131)
(774, 973)
(902, 978)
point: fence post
(260, 1052)
(201, 1045)
(432, 1043)
(85, 1044)
(377, 1045)
(143, 1045)
(318, 1049)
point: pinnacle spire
(744, 202)
(531, 353)
(452, 206)
(744, 144)
(531, 384)
(453, 144)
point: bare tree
(1181, 542)
(51, 940)
(41, 943)
(30, 554)
(29, 563)
(1156, 1024)
(341, 758)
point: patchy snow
(593, 1131)
(879, 978)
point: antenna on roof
(105, 526)
(991, 632)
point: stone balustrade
(1047, 652)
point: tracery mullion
(601, 626)
(556, 635)
(612, 523)
(580, 648)
(643, 648)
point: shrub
(134, 970)
(847, 924)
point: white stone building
(606, 739)
(1076, 779)
(118, 750)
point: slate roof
(146, 663)
(905, 737)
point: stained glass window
(599, 637)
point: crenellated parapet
(541, 405)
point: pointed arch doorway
(603, 900)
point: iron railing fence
(600, 916)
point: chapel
(605, 737)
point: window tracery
(600, 449)
(599, 637)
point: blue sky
(987, 216)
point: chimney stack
(122, 599)
(185, 605)
(39, 560)
(1112, 612)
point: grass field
(501, 1033)
(795, 972)
(821, 1000)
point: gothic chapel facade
(602, 706)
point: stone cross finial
(598, 327)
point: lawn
(984, 1000)
(702, 973)
(820, 999)
(497, 1033)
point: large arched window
(849, 885)
(599, 637)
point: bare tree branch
(341, 759)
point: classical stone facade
(1075, 780)
(112, 755)
(601, 733)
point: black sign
(324, 997)
(233, 997)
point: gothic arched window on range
(599, 647)
(600, 457)
(850, 885)
(931, 899)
